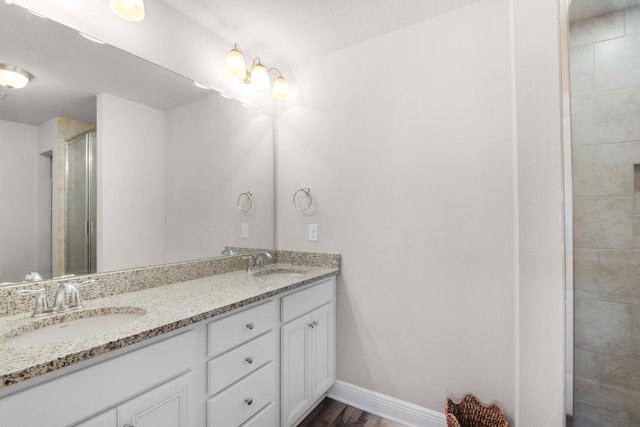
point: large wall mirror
(109, 162)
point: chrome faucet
(42, 306)
(252, 259)
(256, 261)
(67, 298)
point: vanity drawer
(227, 333)
(302, 302)
(244, 399)
(228, 368)
(264, 418)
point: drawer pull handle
(248, 401)
(249, 360)
(128, 425)
(250, 325)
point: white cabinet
(242, 376)
(322, 350)
(244, 399)
(241, 327)
(262, 366)
(76, 395)
(106, 419)
(307, 349)
(164, 406)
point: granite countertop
(166, 308)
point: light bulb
(129, 10)
(234, 65)
(280, 89)
(260, 77)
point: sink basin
(74, 328)
(277, 274)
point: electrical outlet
(244, 230)
(313, 232)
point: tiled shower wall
(605, 102)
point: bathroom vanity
(230, 349)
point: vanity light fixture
(129, 10)
(258, 76)
(14, 77)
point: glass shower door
(604, 54)
(81, 205)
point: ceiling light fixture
(14, 77)
(129, 10)
(258, 76)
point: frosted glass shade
(234, 65)
(280, 89)
(129, 10)
(260, 77)
(14, 77)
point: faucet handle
(42, 306)
(68, 297)
(74, 293)
(260, 259)
(251, 258)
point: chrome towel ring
(301, 206)
(246, 195)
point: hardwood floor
(330, 413)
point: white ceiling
(70, 71)
(289, 32)
(284, 33)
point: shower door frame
(89, 226)
(563, 8)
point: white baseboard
(384, 406)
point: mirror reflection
(109, 162)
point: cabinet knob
(249, 360)
(250, 325)
(311, 325)
(248, 401)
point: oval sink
(72, 329)
(277, 274)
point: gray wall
(18, 190)
(530, 30)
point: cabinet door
(106, 419)
(163, 406)
(322, 353)
(295, 369)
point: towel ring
(307, 191)
(249, 196)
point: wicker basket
(470, 412)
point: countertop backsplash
(119, 282)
